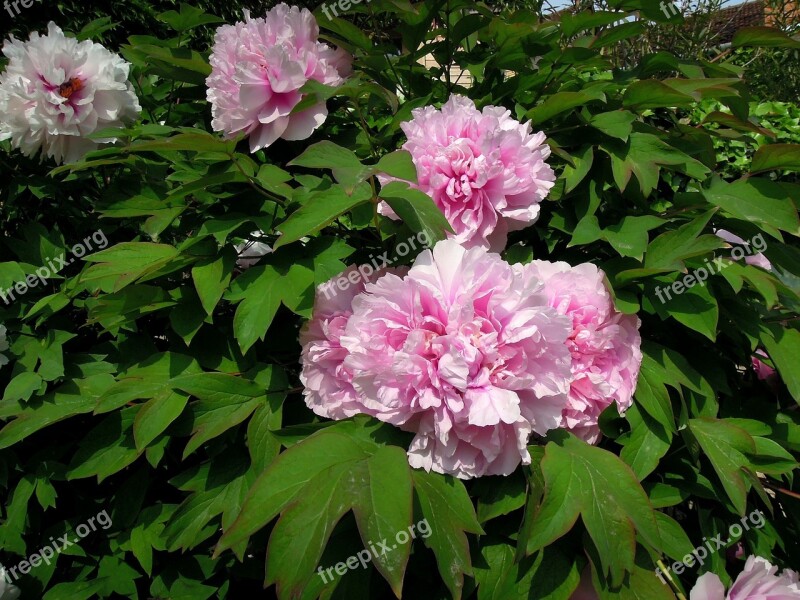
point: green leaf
(284, 479)
(211, 278)
(343, 163)
(651, 93)
(697, 309)
(346, 31)
(726, 447)
(450, 515)
(156, 415)
(179, 64)
(646, 444)
(758, 200)
(274, 179)
(417, 210)
(384, 508)
(763, 37)
(651, 394)
(188, 317)
(629, 236)
(582, 21)
(320, 210)
(772, 157)
(641, 584)
(195, 520)
(75, 590)
(315, 482)
(643, 155)
(189, 18)
(107, 448)
(770, 457)
(585, 480)
(398, 164)
(764, 283)
(261, 441)
(46, 493)
(499, 495)
(196, 141)
(22, 387)
(676, 543)
(146, 380)
(562, 102)
(300, 536)
(551, 574)
(671, 248)
(616, 123)
(126, 263)
(573, 174)
(783, 347)
(16, 510)
(260, 288)
(93, 29)
(67, 401)
(224, 402)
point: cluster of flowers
(57, 91)
(479, 354)
(469, 352)
(473, 355)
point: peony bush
(508, 293)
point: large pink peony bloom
(462, 350)
(328, 383)
(604, 343)
(483, 169)
(56, 91)
(258, 67)
(758, 581)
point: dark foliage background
(159, 381)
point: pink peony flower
(257, 69)
(604, 343)
(763, 371)
(758, 581)
(56, 91)
(483, 169)
(462, 350)
(757, 260)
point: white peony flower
(250, 252)
(3, 361)
(7, 591)
(57, 90)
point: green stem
(672, 583)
